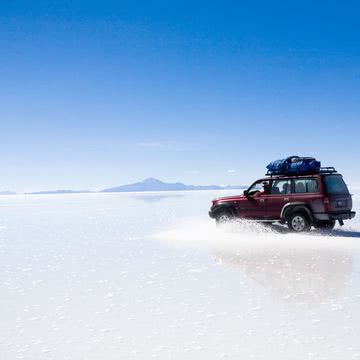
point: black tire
(223, 216)
(299, 222)
(325, 225)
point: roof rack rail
(269, 173)
(328, 169)
(323, 170)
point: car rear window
(335, 184)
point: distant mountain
(152, 184)
(235, 187)
(59, 192)
(7, 193)
(149, 184)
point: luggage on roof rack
(294, 165)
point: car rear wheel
(325, 225)
(223, 217)
(299, 222)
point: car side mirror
(246, 193)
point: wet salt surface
(109, 276)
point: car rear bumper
(335, 216)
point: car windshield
(258, 186)
(335, 184)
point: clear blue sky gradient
(101, 93)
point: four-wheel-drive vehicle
(301, 201)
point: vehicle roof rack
(323, 170)
(327, 170)
(269, 173)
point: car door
(279, 195)
(306, 190)
(251, 206)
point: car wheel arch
(291, 208)
(228, 207)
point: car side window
(302, 186)
(279, 187)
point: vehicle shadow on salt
(345, 233)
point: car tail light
(326, 204)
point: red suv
(300, 201)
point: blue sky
(101, 93)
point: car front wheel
(299, 222)
(223, 217)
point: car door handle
(262, 200)
(286, 199)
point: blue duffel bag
(294, 165)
